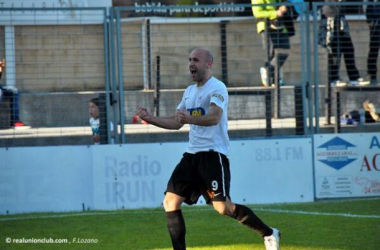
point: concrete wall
(71, 58)
(71, 109)
(58, 58)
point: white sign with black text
(347, 165)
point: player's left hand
(183, 117)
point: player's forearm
(165, 122)
(206, 120)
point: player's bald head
(203, 53)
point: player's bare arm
(210, 119)
(2, 65)
(170, 122)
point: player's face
(198, 66)
(93, 110)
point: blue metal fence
(143, 61)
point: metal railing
(59, 59)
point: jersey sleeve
(182, 104)
(219, 98)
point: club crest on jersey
(220, 97)
(197, 111)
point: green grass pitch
(323, 225)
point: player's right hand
(143, 113)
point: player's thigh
(184, 179)
(215, 174)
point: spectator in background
(275, 38)
(373, 19)
(371, 114)
(334, 35)
(12, 94)
(99, 133)
(93, 110)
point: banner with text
(347, 165)
(133, 176)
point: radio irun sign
(130, 176)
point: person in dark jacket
(373, 20)
(12, 94)
(337, 41)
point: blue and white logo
(336, 153)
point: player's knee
(222, 209)
(171, 203)
(168, 203)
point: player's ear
(209, 64)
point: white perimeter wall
(68, 178)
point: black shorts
(203, 173)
